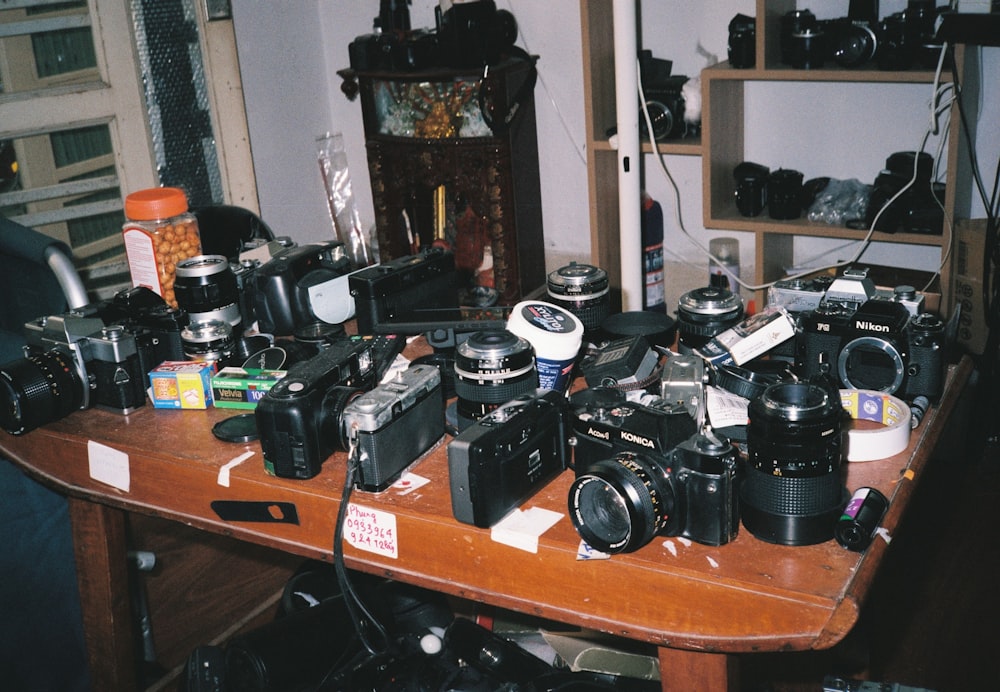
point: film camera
(97, 355)
(643, 471)
(872, 341)
(299, 419)
(393, 424)
(665, 99)
(502, 459)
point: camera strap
(499, 124)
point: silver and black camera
(799, 295)
(498, 462)
(393, 424)
(618, 504)
(299, 419)
(71, 362)
(867, 338)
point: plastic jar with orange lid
(159, 232)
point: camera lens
(617, 505)
(583, 290)
(854, 44)
(38, 389)
(491, 368)
(206, 288)
(705, 312)
(784, 194)
(208, 341)
(792, 23)
(792, 493)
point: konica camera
(71, 362)
(392, 289)
(878, 345)
(619, 503)
(303, 285)
(393, 424)
(501, 460)
(299, 419)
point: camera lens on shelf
(207, 290)
(742, 41)
(809, 48)
(793, 23)
(705, 312)
(491, 368)
(792, 493)
(784, 194)
(583, 290)
(751, 187)
(853, 44)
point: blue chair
(41, 630)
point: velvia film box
(242, 387)
(185, 384)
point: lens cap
(239, 428)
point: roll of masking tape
(875, 443)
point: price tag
(371, 530)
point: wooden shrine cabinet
(453, 156)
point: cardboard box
(184, 384)
(967, 284)
(242, 387)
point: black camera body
(474, 34)
(392, 289)
(878, 345)
(505, 457)
(393, 424)
(299, 419)
(303, 285)
(691, 491)
(155, 325)
(605, 425)
(918, 208)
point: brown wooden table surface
(697, 603)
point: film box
(185, 384)
(752, 337)
(242, 387)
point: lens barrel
(206, 288)
(583, 290)
(38, 389)
(491, 368)
(704, 313)
(792, 493)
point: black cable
(364, 622)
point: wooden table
(698, 606)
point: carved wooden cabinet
(453, 158)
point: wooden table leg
(697, 670)
(102, 573)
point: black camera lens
(853, 43)
(792, 492)
(491, 368)
(784, 194)
(617, 505)
(583, 290)
(704, 313)
(209, 341)
(742, 41)
(751, 187)
(792, 23)
(808, 48)
(206, 288)
(38, 389)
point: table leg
(697, 670)
(102, 573)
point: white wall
(290, 52)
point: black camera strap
(487, 105)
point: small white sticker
(108, 465)
(371, 530)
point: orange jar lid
(156, 203)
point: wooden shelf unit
(721, 146)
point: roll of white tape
(875, 443)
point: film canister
(862, 515)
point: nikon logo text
(637, 440)
(871, 326)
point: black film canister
(862, 515)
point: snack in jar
(159, 232)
